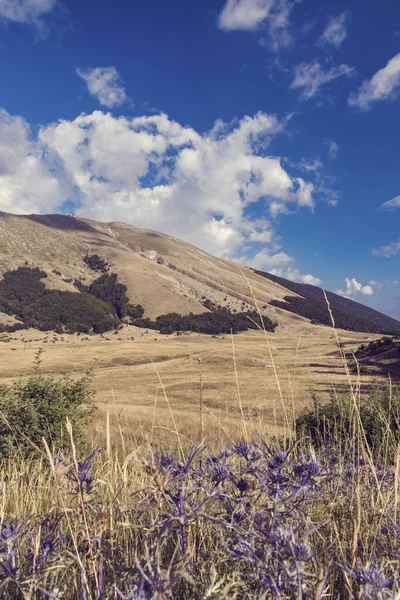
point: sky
(263, 131)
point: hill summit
(162, 275)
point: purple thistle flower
(81, 473)
(278, 460)
(302, 552)
(372, 579)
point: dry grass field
(149, 384)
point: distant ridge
(348, 314)
(164, 274)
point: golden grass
(136, 371)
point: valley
(133, 368)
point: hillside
(164, 274)
(309, 301)
(380, 356)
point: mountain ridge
(162, 273)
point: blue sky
(266, 131)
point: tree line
(347, 313)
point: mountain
(164, 274)
(309, 301)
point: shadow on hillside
(65, 222)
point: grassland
(158, 514)
(141, 377)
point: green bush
(379, 416)
(38, 408)
(95, 262)
(134, 311)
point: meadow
(192, 481)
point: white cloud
(265, 261)
(279, 34)
(391, 204)
(27, 11)
(262, 237)
(104, 83)
(249, 15)
(336, 30)
(387, 251)
(154, 173)
(244, 14)
(22, 160)
(384, 85)
(304, 193)
(354, 288)
(312, 77)
(295, 275)
(333, 149)
(310, 165)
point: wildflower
(242, 485)
(372, 581)
(81, 473)
(302, 552)
(221, 472)
(242, 449)
(278, 460)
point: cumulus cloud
(391, 204)
(294, 275)
(384, 85)
(336, 30)
(249, 15)
(311, 77)
(31, 12)
(387, 251)
(22, 160)
(333, 149)
(155, 173)
(354, 288)
(264, 260)
(104, 83)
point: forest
(103, 305)
(347, 313)
(219, 320)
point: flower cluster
(250, 521)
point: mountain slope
(310, 302)
(162, 273)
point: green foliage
(39, 407)
(378, 415)
(109, 290)
(23, 294)
(217, 321)
(348, 314)
(96, 263)
(134, 311)
(377, 347)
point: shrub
(39, 407)
(337, 420)
(134, 311)
(95, 262)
